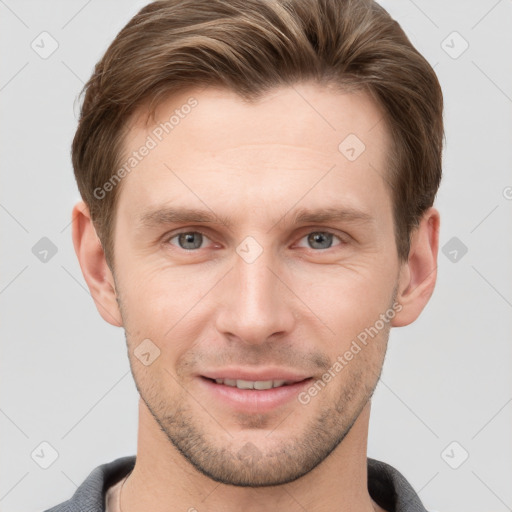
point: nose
(257, 301)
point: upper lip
(256, 374)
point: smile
(252, 396)
(253, 384)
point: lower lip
(252, 400)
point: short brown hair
(250, 47)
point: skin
(297, 306)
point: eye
(188, 240)
(320, 239)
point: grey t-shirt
(386, 486)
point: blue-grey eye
(320, 240)
(190, 240)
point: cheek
(346, 299)
(164, 307)
(150, 292)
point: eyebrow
(332, 215)
(170, 215)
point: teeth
(251, 384)
(245, 384)
(263, 384)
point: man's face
(262, 291)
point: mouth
(256, 395)
(254, 384)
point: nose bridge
(258, 305)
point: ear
(94, 266)
(418, 275)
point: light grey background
(64, 372)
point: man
(258, 179)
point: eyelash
(322, 231)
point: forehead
(302, 139)
(305, 113)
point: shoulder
(390, 489)
(90, 495)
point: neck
(164, 481)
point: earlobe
(418, 275)
(94, 266)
